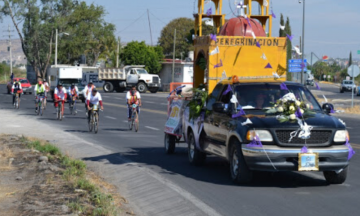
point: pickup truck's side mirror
(328, 107)
(219, 107)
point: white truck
(119, 79)
(66, 76)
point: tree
(288, 45)
(282, 23)
(88, 30)
(184, 31)
(350, 59)
(138, 53)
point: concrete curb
(148, 192)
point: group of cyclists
(61, 95)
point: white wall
(183, 73)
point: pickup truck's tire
(141, 87)
(108, 87)
(196, 157)
(120, 90)
(336, 178)
(341, 91)
(153, 90)
(240, 173)
(169, 143)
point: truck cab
(146, 81)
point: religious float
(243, 110)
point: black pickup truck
(225, 136)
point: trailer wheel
(169, 143)
(108, 87)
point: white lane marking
(106, 96)
(349, 128)
(152, 128)
(79, 110)
(149, 102)
(109, 117)
(118, 98)
(164, 104)
(23, 99)
(126, 121)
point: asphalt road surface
(282, 193)
(332, 92)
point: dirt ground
(29, 186)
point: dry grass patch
(351, 110)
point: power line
(131, 23)
(157, 18)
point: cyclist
(16, 88)
(47, 87)
(94, 98)
(60, 96)
(87, 91)
(133, 97)
(39, 90)
(73, 92)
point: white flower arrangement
(289, 108)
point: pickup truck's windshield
(141, 71)
(347, 82)
(262, 96)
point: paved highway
(290, 193)
(332, 92)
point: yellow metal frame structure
(239, 55)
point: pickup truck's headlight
(340, 136)
(264, 135)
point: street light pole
(56, 46)
(173, 66)
(303, 43)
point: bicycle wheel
(60, 111)
(90, 122)
(96, 123)
(41, 109)
(18, 103)
(45, 102)
(38, 110)
(136, 122)
(71, 108)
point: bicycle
(94, 119)
(134, 118)
(40, 109)
(17, 101)
(72, 105)
(45, 102)
(59, 111)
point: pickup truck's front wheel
(333, 177)
(240, 173)
(196, 157)
(141, 87)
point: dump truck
(120, 79)
(244, 111)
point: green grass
(75, 174)
(47, 148)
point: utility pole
(303, 43)
(10, 51)
(173, 67)
(150, 27)
(117, 53)
(56, 46)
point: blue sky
(332, 26)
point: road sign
(324, 76)
(353, 70)
(329, 76)
(295, 65)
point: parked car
(347, 85)
(25, 85)
(310, 82)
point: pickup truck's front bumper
(331, 158)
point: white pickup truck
(119, 79)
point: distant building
(184, 72)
